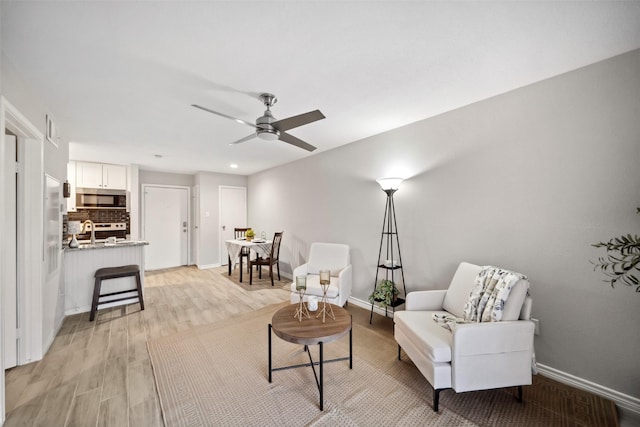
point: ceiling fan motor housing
(264, 129)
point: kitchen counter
(103, 245)
(80, 265)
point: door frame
(143, 187)
(222, 250)
(30, 250)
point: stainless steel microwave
(95, 198)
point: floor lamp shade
(389, 184)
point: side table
(311, 332)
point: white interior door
(233, 213)
(9, 268)
(166, 226)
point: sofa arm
(300, 270)
(425, 300)
(345, 282)
(470, 339)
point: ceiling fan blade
(299, 120)
(245, 139)
(225, 116)
(290, 139)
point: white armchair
(474, 356)
(326, 256)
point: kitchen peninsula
(81, 263)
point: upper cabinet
(114, 176)
(98, 175)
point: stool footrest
(118, 293)
(116, 300)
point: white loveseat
(475, 356)
(326, 256)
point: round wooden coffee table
(311, 332)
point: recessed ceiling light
(233, 166)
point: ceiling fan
(269, 129)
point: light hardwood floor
(99, 374)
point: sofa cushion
(328, 256)
(314, 288)
(419, 327)
(462, 284)
(460, 288)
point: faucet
(93, 230)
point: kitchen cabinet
(99, 175)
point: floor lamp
(389, 239)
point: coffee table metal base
(319, 363)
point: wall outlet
(537, 323)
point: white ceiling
(120, 76)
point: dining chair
(273, 258)
(239, 233)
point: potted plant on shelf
(249, 235)
(384, 294)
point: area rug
(218, 375)
(257, 283)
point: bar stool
(114, 273)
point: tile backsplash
(100, 215)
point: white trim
(30, 239)
(622, 400)
(207, 266)
(367, 305)
(54, 333)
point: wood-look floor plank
(56, 405)
(84, 409)
(91, 376)
(142, 385)
(113, 412)
(146, 413)
(115, 377)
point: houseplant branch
(622, 262)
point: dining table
(234, 246)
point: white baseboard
(286, 276)
(53, 335)
(623, 401)
(367, 306)
(206, 266)
(77, 310)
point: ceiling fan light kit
(269, 129)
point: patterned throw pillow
(489, 294)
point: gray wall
(207, 209)
(527, 180)
(165, 178)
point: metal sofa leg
(399, 352)
(520, 394)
